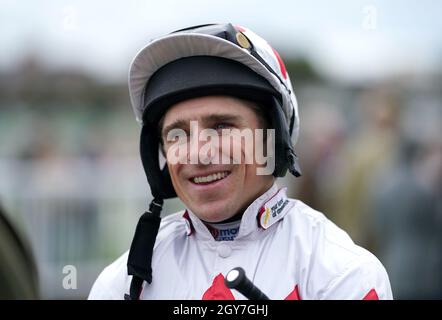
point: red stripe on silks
(281, 63)
(239, 28)
(189, 221)
(371, 295)
(218, 290)
(294, 295)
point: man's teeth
(210, 177)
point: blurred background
(368, 77)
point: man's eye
(221, 126)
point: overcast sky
(345, 39)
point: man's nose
(204, 146)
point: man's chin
(214, 211)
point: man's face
(214, 191)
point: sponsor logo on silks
(223, 233)
(274, 209)
(227, 234)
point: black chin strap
(139, 262)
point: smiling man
(215, 101)
(220, 189)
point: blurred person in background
(407, 212)
(227, 77)
(18, 272)
(369, 151)
(324, 133)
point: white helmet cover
(248, 49)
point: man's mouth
(210, 178)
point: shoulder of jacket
(112, 281)
(329, 251)
(362, 278)
(314, 226)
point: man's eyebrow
(182, 124)
(221, 118)
(177, 124)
